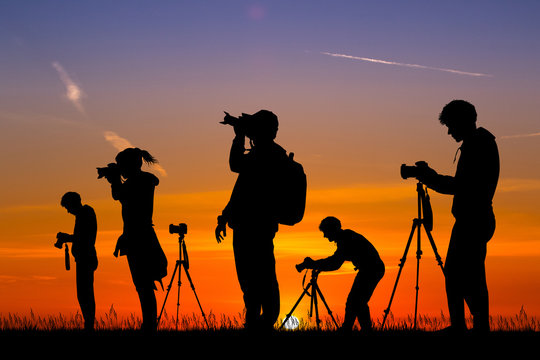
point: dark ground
(297, 344)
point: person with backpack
(255, 210)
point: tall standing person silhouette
(83, 249)
(473, 187)
(252, 214)
(134, 189)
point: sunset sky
(357, 87)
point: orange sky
(35, 278)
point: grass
(110, 321)
(115, 336)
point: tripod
(314, 301)
(425, 218)
(183, 261)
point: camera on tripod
(419, 169)
(306, 264)
(180, 229)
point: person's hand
(114, 179)
(62, 237)
(221, 228)
(425, 173)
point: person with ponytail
(134, 189)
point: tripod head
(314, 277)
(181, 230)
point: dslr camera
(306, 264)
(242, 123)
(180, 229)
(414, 171)
(60, 240)
(111, 170)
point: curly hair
(458, 110)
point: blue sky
(161, 72)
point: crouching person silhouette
(353, 247)
(134, 189)
(83, 250)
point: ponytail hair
(135, 157)
(147, 157)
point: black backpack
(292, 192)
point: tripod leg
(178, 292)
(401, 264)
(437, 256)
(315, 304)
(417, 287)
(326, 305)
(196, 297)
(168, 290)
(295, 305)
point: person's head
(330, 227)
(263, 126)
(459, 116)
(130, 160)
(71, 201)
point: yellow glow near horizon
(32, 267)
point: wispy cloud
(416, 66)
(520, 136)
(118, 142)
(121, 143)
(73, 91)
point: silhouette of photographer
(147, 262)
(473, 187)
(353, 247)
(83, 250)
(252, 213)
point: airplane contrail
(416, 66)
(519, 136)
(73, 91)
(121, 143)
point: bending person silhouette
(353, 247)
(253, 215)
(473, 187)
(83, 250)
(146, 259)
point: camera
(413, 171)
(242, 123)
(306, 264)
(60, 240)
(180, 229)
(111, 170)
